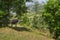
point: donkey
(14, 22)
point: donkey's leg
(11, 25)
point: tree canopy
(52, 16)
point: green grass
(12, 34)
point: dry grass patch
(11, 34)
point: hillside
(21, 33)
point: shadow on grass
(21, 29)
(1, 26)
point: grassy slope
(11, 34)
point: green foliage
(52, 16)
(34, 20)
(36, 7)
(19, 7)
(1, 14)
(6, 6)
(3, 18)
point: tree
(19, 7)
(36, 7)
(52, 16)
(6, 6)
(38, 21)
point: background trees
(6, 6)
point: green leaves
(6, 6)
(1, 14)
(52, 15)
